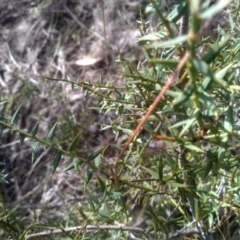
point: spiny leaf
(189, 123)
(184, 95)
(73, 165)
(22, 137)
(93, 155)
(177, 12)
(213, 53)
(15, 115)
(214, 9)
(56, 161)
(35, 129)
(115, 194)
(208, 168)
(193, 147)
(51, 132)
(208, 103)
(88, 177)
(165, 62)
(151, 172)
(35, 148)
(172, 163)
(102, 184)
(74, 142)
(83, 215)
(176, 184)
(103, 212)
(229, 121)
(222, 73)
(169, 43)
(203, 67)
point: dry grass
(57, 39)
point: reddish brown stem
(149, 112)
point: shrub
(176, 174)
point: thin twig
(89, 228)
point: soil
(63, 39)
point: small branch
(50, 144)
(150, 110)
(89, 228)
(185, 233)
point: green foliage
(194, 177)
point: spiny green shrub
(180, 175)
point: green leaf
(2, 103)
(184, 96)
(222, 73)
(193, 147)
(103, 212)
(35, 148)
(56, 161)
(15, 115)
(72, 85)
(102, 184)
(213, 53)
(177, 12)
(93, 198)
(23, 236)
(74, 142)
(174, 222)
(169, 43)
(69, 167)
(189, 123)
(203, 67)
(172, 163)
(236, 204)
(22, 138)
(178, 124)
(51, 132)
(88, 177)
(98, 160)
(174, 94)
(93, 155)
(118, 148)
(76, 163)
(208, 103)
(208, 168)
(214, 9)
(165, 62)
(83, 215)
(35, 129)
(176, 184)
(73, 165)
(115, 194)
(230, 164)
(151, 172)
(228, 121)
(206, 84)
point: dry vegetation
(57, 39)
